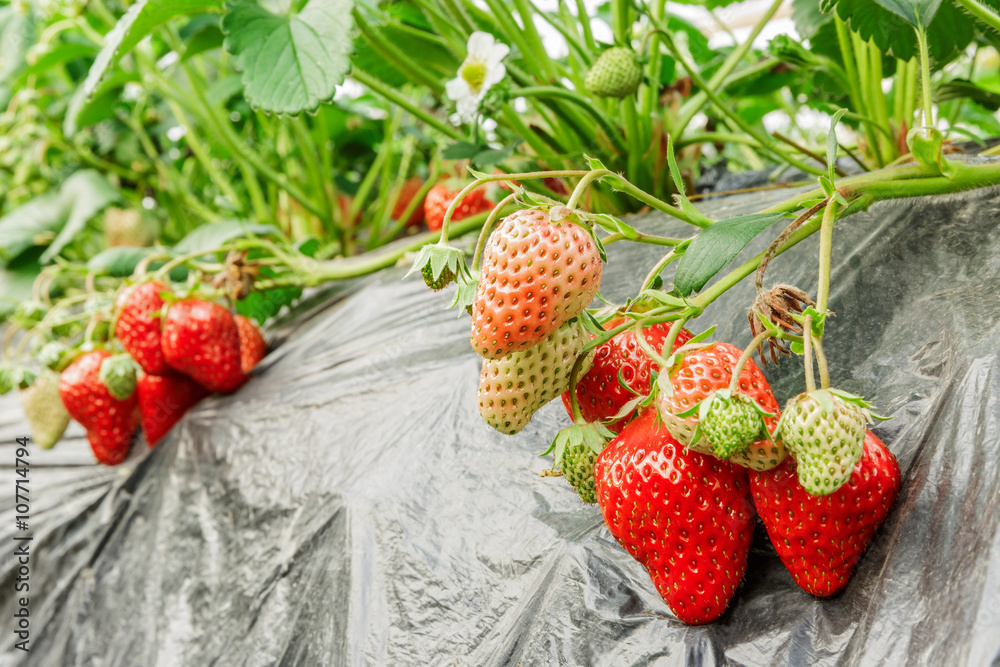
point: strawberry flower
(482, 69)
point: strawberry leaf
(291, 62)
(716, 246)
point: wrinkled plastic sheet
(349, 507)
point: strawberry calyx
(439, 265)
(575, 449)
(729, 421)
(118, 373)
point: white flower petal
(458, 89)
(480, 43)
(496, 55)
(493, 76)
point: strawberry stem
(646, 347)
(807, 352)
(657, 270)
(825, 252)
(584, 183)
(824, 371)
(734, 384)
(487, 226)
(675, 331)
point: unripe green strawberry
(439, 283)
(576, 448)
(514, 387)
(615, 73)
(577, 465)
(825, 432)
(44, 410)
(731, 423)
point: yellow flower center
(473, 70)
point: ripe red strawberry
(110, 423)
(821, 538)
(439, 198)
(703, 371)
(163, 400)
(536, 275)
(253, 347)
(407, 192)
(685, 516)
(139, 325)
(201, 339)
(600, 395)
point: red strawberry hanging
(253, 347)
(110, 423)
(685, 516)
(163, 400)
(600, 393)
(439, 198)
(536, 275)
(702, 371)
(140, 325)
(821, 538)
(201, 339)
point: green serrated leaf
(948, 33)
(290, 63)
(716, 246)
(918, 13)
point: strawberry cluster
(185, 350)
(679, 441)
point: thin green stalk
(925, 78)
(824, 369)
(981, 12)
(392, 53)
(639, 237)
(203, 155)
(459, 15)
(734, 117)
(614, 134)
(657, 270)
(807, 353)
(825, 252)
(488, 225)
(734, 383)
(542, 59)
(854, 92)
(400, 100)
(584, 18)
(307, 148)
(691, 108)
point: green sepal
(818, 320)
(926, 145)
(478, 175)
(594, 435)
(440, 258)
(798, 347)
(593, 163)
(465, 295)
(662, 298)
(831, 144)
(51, 355)
(613, 225)
(590, 323)
(829, 189)
(118, 373)
(625, 386)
